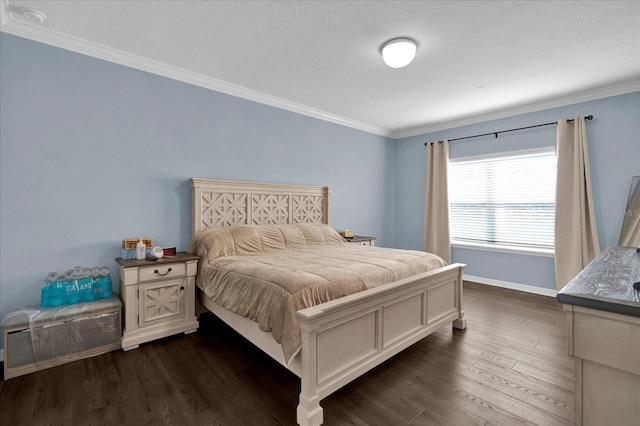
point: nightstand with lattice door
(158, 298)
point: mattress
(268, 273)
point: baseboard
(513, 286)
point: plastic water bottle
(47, 288)
(95, 282)
(86, 287)
(56, 292)
(105, 283)
(73, 286)
(67, 284)
(51, 293)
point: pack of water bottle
(75, 286)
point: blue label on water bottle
(45, 294)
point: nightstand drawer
(162, 271)
(607, 338)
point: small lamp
(399, 52)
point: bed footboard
(347, 337)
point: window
(507, 200)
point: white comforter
(252, 272)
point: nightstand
(362, 240)
(158, 298)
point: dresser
(604, 337)
(158, 298)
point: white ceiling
(321, 58)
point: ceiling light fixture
(399, 52)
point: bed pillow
(241, 240)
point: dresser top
(179, 257)
(607, 283)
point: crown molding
(44, 35)
(575, 98)
(84, 47)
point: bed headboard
(218, 203)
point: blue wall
(614, 151)
(92, 152)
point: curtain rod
(588, 117)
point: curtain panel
(437, 237)
(576, 234)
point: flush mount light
(399, 52)
(34, 15)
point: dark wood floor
(509, 367)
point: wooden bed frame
(344, 338)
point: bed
(362, 306)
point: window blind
(507, 200)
